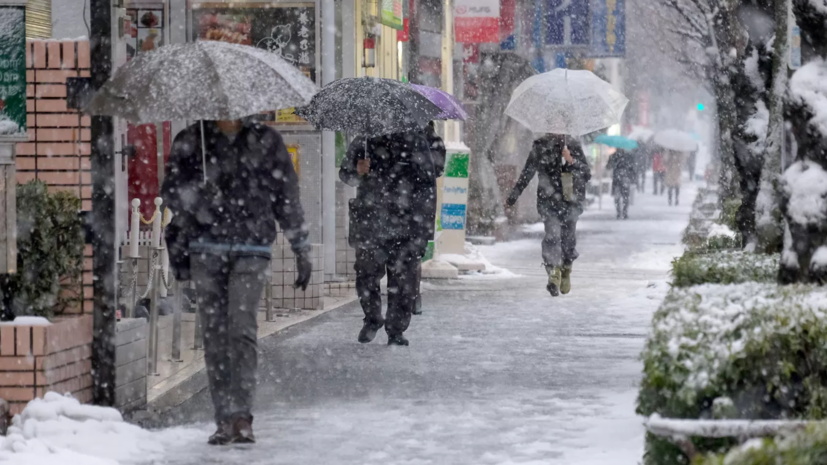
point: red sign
(405, 33)
(643, 109)
(477, 21)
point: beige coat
(674, 165)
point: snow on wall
(805, 184)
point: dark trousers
(401, 264)
(677, 191)
(657, 178)
(228, 288)
(560, 241)
(622, 192)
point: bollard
(178, 308)
(268, 299)
(164, 270)
(198, 339)
(156, 275)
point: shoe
(418, 307)
(554, 280)
(397, 340)
(369, 330)
(565, 282)
(243, 432)
(222, 436)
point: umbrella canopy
(202, 80)
(619, 142)
(641, 134)
(674, 139)
(450, 106)
(369, 106)
(573, 102)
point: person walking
(691, 163)
(437, 147)
(391, 221)
(622, 164)
(641, 161)
(658, 171)
(220, 237)
(564, 172)
(673, 162)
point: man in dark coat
(221, 236)
(391, 221)
(564, 173)
(622, 164)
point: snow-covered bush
(761, 346)
(807, 447)
(723, 267)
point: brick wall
(58, 149)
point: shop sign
(477, 21)
(608, 29)
(452, 216)
(392, 14)
(12, 70)
(567, 23)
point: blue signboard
(608, 29)
(452, 216)
(567, 23)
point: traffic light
(700, 107)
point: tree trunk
(768, 218)
(727, 121)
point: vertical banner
(608, 29)
(567, 23)
(12, 70)
(451, 216)
(392, 15)
(477, 21)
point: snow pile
(798, 447)
(473, 255)
(8, 126)
(805, 185)
(60, 430)
(27, 321)
(721, 230)
(757, 126)
(808, 87)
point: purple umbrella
(450, 106)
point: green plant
(723, 267)
(759, 345)
(50, 251)
(729, 214)
(807, 447)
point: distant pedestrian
(641, 157)
(658, 171)
(622, 164)
(691, 162)
(564, 172)
(674, 169)
(391, 221)
(221, 236)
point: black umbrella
(369, 106)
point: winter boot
(397, 340)
(554, 280)
(369, 330)
(565, 284)
(223, 435)
(243, 431)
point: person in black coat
(564, 173)
(221, 235)
(622, 164)
(391, 221)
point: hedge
(723, 267)
(807, 447)
(756, 347)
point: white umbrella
(202, 80)
(641, 134)
(674, 139)
(573, 102)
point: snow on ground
(58, 430)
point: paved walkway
(497, 372)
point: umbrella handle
(203, 153)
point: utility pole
(102, 217)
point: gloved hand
(304, 269)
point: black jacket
(397, 199)
(546, 158)
(622, 164)
(251, 184)
(437, 147)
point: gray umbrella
(369, 106)
(202, 80)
